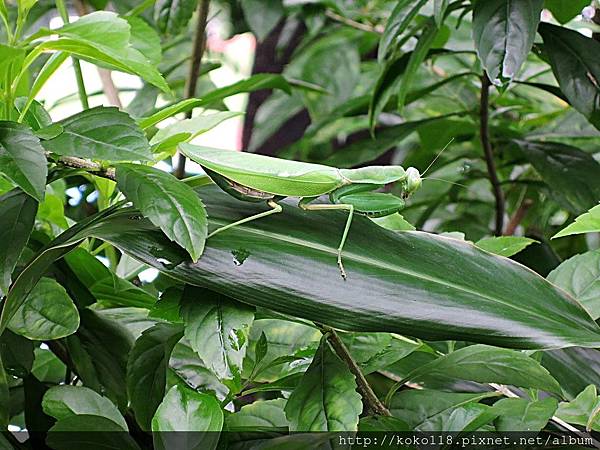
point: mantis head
(413, 181)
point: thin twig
(371, 400)
(489, 153)
(89, 166)
(109, 88)
(518, 217)
(353, 23)
(192, 80)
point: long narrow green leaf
(397, 282)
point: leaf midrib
(393, 268)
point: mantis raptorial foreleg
(275, 208)
(304, 204)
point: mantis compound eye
(413, 180)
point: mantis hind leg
(275, 208)
(304, 204)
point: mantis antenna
(446, 181)
(437, 156)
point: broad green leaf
(145, 39)
(574, 368)
(261, 414)
(99, 351)
(89, 431)
(147, 370)
(570, 173)
(262, 15)
(103, 133)
(47, 367)
(104, 284)
(332, 62)
(464, 418)
(168, 203)
(518, 414)
(504, 245)
(16, 223)
(565, 10)
(326, 397)
(188, 366)
(580, 277)
(17, 354)
(171, 16)
(36, 116)
(167, 138)
(486, 364)
(167, 306)
(261, 349)
(496, 301)
(403, 14)
(504, 31)
(48, 313)
(575, 68)
(104, 38)
(588, 222)
(65, 401)
(581, 410)
(184, 409)
(32, 273)
(134, 320)
(284, 339)
(169, 111)
(217, 329)
(22, 158)
(374, 351)
(423, 410)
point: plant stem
(89, 166)
(488, 152)
(371, 400)
(192, 80)
(83, 98)
(353, 23)
(518, 217)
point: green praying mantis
(258, 178)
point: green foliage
(325, 399)
(48, 313)
(580, 277)
(22, 158)
(459, 313)
(168, 203)
(500, 47)
(100, 133)
(588, 222)
(184, 409)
